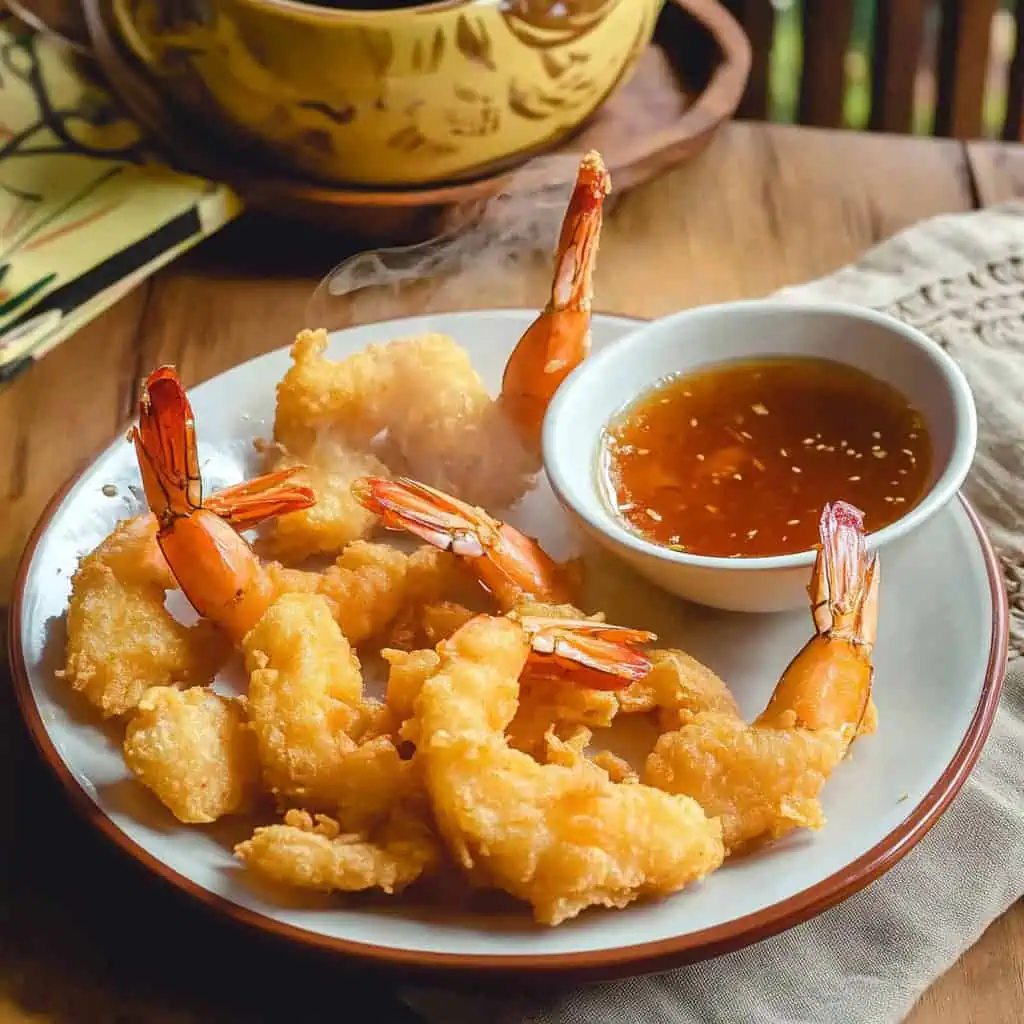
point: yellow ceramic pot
(406, 96)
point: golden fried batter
(443, 427)
(121, 640)
(561, 838)
(761, 782)
(371, 584)
(315, 854)
(337, 518)
(676, 685)
(193, 750)
(304, 699)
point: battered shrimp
(336, 518)
(442, 426)
(763, 780)
(310, 852)
(306, 707)
(193, 750)
(561, 838)
(121, 640)
(370, 585)
(304, 699)
(677, 686)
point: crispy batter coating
(121, 640)
(677, 685)
(193, 749)
(761, 782)
(348, 399)
(314, 853)
(561, 838)
(337, 518)
(370, 586)
(407, 672)
(304, 700)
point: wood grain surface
(85, 935)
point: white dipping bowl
(604, 385)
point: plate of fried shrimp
(318, 645)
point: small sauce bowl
(613, 379)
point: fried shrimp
(370, 585)
(305, 699)
(193, 750)
(436, 417)
(763, 780)
(310, 852)
(336, 519)
(678, 685)
(306, 708)
(509, 564)
(121, 639)
(561, 838)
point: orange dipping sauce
(738, 459)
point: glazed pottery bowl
(877, 344)
(406, 96)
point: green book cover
(87, 208)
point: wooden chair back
(951, 68)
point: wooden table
(84, 934)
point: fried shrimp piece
(449, 432)
(677, 685)
(764, 779)
(193, 750)
(121, 640)
(407, 672)
(561, 838)
(336, 519)
(215, 567)
(510, 565)
(347, 399)
(304, 700)
(370, 584)
(314, 853)
(442, 424)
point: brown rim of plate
(592, 965)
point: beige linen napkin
(960, 279)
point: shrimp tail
(589, 653)
(168, 456)
(509, 564)
(827, 686)
(434, 517)
(252, 502)
(165, 441)
(844, 583)
(559, 339)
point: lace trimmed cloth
(959, 279)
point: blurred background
(778, 33)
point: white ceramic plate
(940, 659)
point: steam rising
(519, 224)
